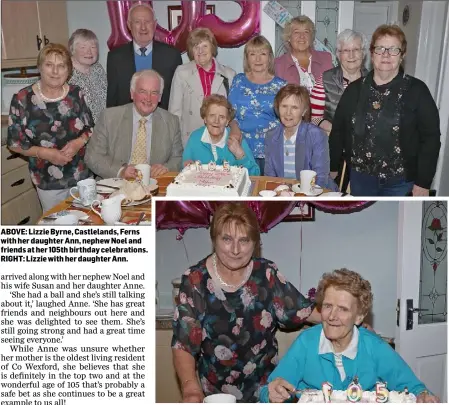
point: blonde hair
(256, 43)
(199, 35)
(351, 282)
(300, 20)
(58, 50)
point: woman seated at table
(212, 143)
(337, 351)
(230, 306)
(252, 95)
(50, 123)
(197, 79)
(297, 144)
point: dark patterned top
(94, 85)
(232, 335)
(33, 122)
(379, 153)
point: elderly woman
(198, 79)
(252, 96)
(230, 306)
(297, 144)
(50, 123)
(302, 64)
(338, 350)
(87, 71)
(212, 143)
(388, 124)
(351, 52)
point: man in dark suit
(140, 54)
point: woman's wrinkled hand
(279, 390)
(72, 147)
(419, 191)
(55, 156)
(427, 397)
(236, 148)
(188, 162)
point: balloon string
(185, 250)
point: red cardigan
(286, 69)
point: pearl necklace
(224, 283)
(49, 100)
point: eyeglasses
(349, 51)
(380, 50)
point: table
(131, 213)
(259, 183)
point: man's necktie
(139, 154)
(142, 51)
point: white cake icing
(367, 397)
(199, 181)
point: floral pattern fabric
(33, 122)
(232, 335)
(253, 104)
(94, 86)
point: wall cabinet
(29, 25)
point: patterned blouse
(232, 335)
(254, 112)
(33, 122)
(94, 85)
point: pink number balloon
(228, 34)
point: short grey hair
(135, 5)
(80, 35)
(146, 73)
(347, 36)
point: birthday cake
(198, 180)
(367, 397)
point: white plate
(134, 203)
(267, 193)
(78, 203)
(80, 214)
(114, 182)
(317, 190)
(282, 187)
(332, 194)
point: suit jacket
(311, 153)
(286, 68)
(121, 66)
(111, 142)
(186, 96)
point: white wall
(365, 242)
(94, 15)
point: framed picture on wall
(304, 213)
(175, 14)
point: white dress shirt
(149, 48)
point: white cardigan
(186, 95)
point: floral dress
(232, 335)
(33, 122)
(253, 104)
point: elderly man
(138, 132)
(139, 54)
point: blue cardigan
(375, 361)
(198, 150)
(311, 153)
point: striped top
(289, 157)
(318, 98)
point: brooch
(376, 105)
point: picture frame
(175, 15)
(296, 215)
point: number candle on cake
(354, 391)
(327, 391)
(381, 392)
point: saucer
(267, 193)
(316, 191)
(76, 203)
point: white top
(306, 77)
(350, 352)
(206, 138)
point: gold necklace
(224, 283)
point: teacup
(111, 209)
(307, 180)
(66, 220)
(220, 398)
(87, 191)
(144, 170)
